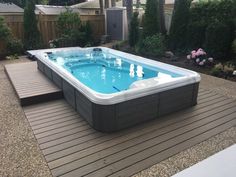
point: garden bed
(180, 61)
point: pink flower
(197, 60)
(194, 51)
(200, 49)
(200, 52)
(201, 63)
(194, 55)
(189, 57)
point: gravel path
(19, 151)
(21, 156)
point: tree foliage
(4, 30)
(212, 25)
(134, 30)
(22, 3)
(13, 46)
(218, 42)
(72, 32)
(153, 45)
(31, 32)
(151, 24)
(179, 23)
(68, 22)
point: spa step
(30, 84)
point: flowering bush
(200, 58)
(223, 71)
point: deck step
(30, 84)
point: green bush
(151, 24)
(234, 48)
(72, 32)
(32, 38)
(208, 11)
(14, 47)
(5, 32)
(216, 72)
(179, 23)
(134, 30)
(202, 17)
(88, 32)
(68, 22)
(218, 40)
(196, 35)
(152, 45)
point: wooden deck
(72, 148)
(31, 85)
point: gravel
(19, 151)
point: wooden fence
(47, 26)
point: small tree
(218, 40)
(134, 30)
(129, 10)
(31, 32)
(179, 24)
(87, 32)
(4, 30)
(162, 17)
(72, 32)
(13, 46)
(68, 22)
(151, 18)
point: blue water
(106, 73)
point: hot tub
(113, 90)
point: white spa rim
(137, 89)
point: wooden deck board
(72, 148)
(31, 85)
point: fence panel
(47, 26)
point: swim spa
(113, 90)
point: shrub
(32, 39)
(179, 23)
(5, 32)
(218, 40)
(221, 70)
(68, 22)
(153, 45)
(14, 47)
(199, 57)
(195, 34)
(151, 24)
(218, 70)
(134, 30)
(203, 14)
(88, 32)
(208, 11)
(72, 32)
(234, 48)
